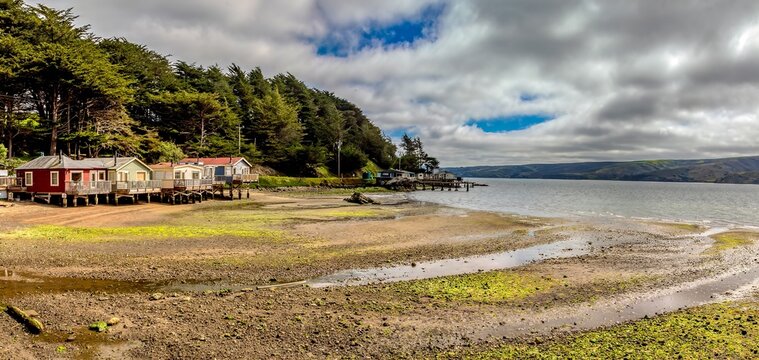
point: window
(54, 178)
(196, 175)
(142, 176)
(177, 174)
(76, 176)
(101, 175)
(123, 176)
(28, 177)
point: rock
(100, 326)
(359, 198)
(33, 325)
(71, 338)
(156, 296)
(32, 313)
(113, 321)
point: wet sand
(211, 296)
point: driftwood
(33, 325)
(281, 286)
(359, 198)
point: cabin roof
(214, 161)
(59, 162)
(65, 162)
(170, 165)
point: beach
(305, 274)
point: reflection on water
(465, 265)
(720, 204)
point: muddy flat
(309, 275)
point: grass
(226, 220)
(731, 239)
(487, 287)
(87, 234)
(723, 331)
(286, 181)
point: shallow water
(716, 204)
(687, 295)
(465, 265)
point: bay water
(702, 203)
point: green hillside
(742, 170)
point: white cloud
(626, 80)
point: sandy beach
(203, 280)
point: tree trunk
(53, 109)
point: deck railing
(88, 187)
(192, 183)
(237, 178)
(10, 181)
(142, 186)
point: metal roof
(65, 162)
(214, 161)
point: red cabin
(61, 175)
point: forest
(65, 90)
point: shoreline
(219, 252)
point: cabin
(386, 175)
(128, 175)
(48, 176)
(180, 176)
(445, 176)
(225, 169)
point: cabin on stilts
(231, 174)
(56, 179)
(60, 179)
(182, 183)
(130, 178)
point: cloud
(624, 79)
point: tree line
(65, 90)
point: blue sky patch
(510, 123)
(342, 42)
(398, 133)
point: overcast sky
(490, 82)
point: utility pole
(339, 144)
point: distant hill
(742, 170)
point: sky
(494, 81)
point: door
(142, 176)
(219, 171)
(93, 179)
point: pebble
(156, 296)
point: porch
(87, 187)
(136, 187)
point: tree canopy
(63, 89)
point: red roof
(211, 161)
